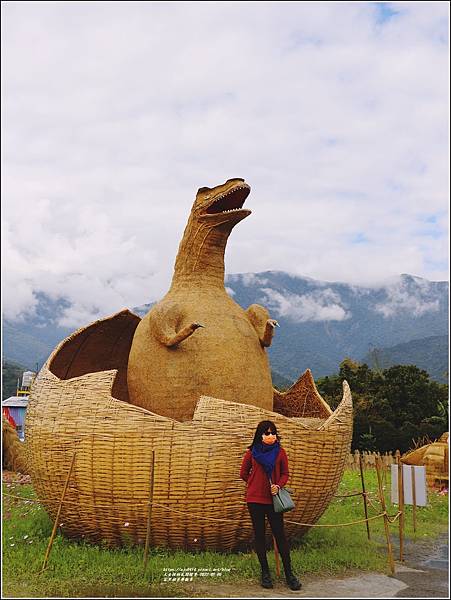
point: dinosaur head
(222, 204)
(214, 214)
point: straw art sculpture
(434, 457)
(158, 412)
(13, 455)
(197, 340)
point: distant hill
(11, 372)
(32, 339)
(321, 322)
(279, 381)
(430, 354)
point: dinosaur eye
(203, 189)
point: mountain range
(430, 354)
(324, 322)
(404, 320)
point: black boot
(266, 580)
(293, 582)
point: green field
(81, 570)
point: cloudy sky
(114, 114)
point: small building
(27, 379)
(15, 407)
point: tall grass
(82, 570)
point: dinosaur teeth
(228, 194)
(218, 204)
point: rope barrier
(393, 519)
(350, 495)
(22, 498)
(181, 512)
(339, 524)
(388, 519)
(194, 515)
(74, 503)
(364, 494)
(371, 503)
(286, 520)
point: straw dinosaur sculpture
(157, 412)
(197, 340)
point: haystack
(13, 454)
(434, 457)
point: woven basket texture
(198, 499)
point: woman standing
(265, 459)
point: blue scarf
(266, 455)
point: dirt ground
(423, 574)
(12, 477)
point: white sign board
(419, 473)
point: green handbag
(282, 501)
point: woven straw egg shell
(79, 404)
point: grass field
(80, 570)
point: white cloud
(402, 300)
(115, 113)
(248, 279)
(230, 291)
(321, 305)
(93, 265)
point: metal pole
(391, 562)
(401, 509)
(149, 512)
(364, 497)
(414, 499)
(58, 512)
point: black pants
(258, 513)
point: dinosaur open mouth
(230, 202)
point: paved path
(426, 570)
(423, 574)
(346, 587)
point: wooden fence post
(356, 459)
(414, 499)
(58, 512)
(386, 526)
(364, 498)
(149, 512)
(401, 508)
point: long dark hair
(262, 427)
